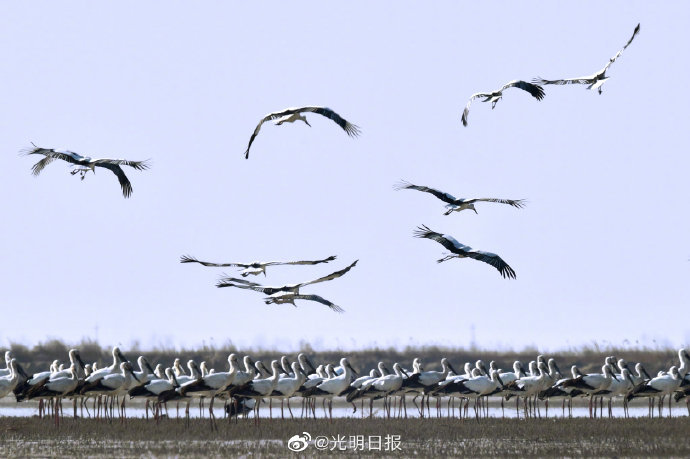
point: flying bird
(256, 267)
(290, 115)
(594, 81)
(455, 204)
(290, 297)
(84, 164)
(289, 288)
(462, 251)
(535, 90)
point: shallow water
(135, 408)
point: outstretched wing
(124, 181)
(241, 283)
(50, 155)
(534, 89)
(443, 196)
(138, 165)
(302, 262)
(321, 300)
(578, 80)
(494, 260)
(519, 203)
(351, 129)
(446, 241)
(331, 276)
(466, 111)
(618, 54)
(191, 259)
(39, 166)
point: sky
(601, 250)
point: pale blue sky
(601, 251)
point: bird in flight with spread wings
(84, 164)
(463, 251)
(535, 90)
(256, 267)
(290, 115)
(289, 297)
(455, 204)
(594, 81)
(290, 288)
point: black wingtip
(422, 231)
(187, 259)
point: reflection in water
(135, 409)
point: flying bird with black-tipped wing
(594, 81)
(289, 297)
(463, 251)
(291, 288)
(254, 268)
(290, 115)
(535, 90)
(84, 164)
(455, 204)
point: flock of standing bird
(244, 386)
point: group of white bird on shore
(244, 385)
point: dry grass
(490, 437)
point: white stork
(287, 386)
(594, 81)
(290, 115)
(454, 204)
(9, 381)
(286, 293)
(535, 90)
(256, 267)
(289, 297)
(463, 251)
(84, 164)
(289, 288)
(661, 386)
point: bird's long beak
(452, 369)
(81, 362)
(307, 123)
(402, 370)
(475, 211)
(500, 381)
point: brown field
(444, 437)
